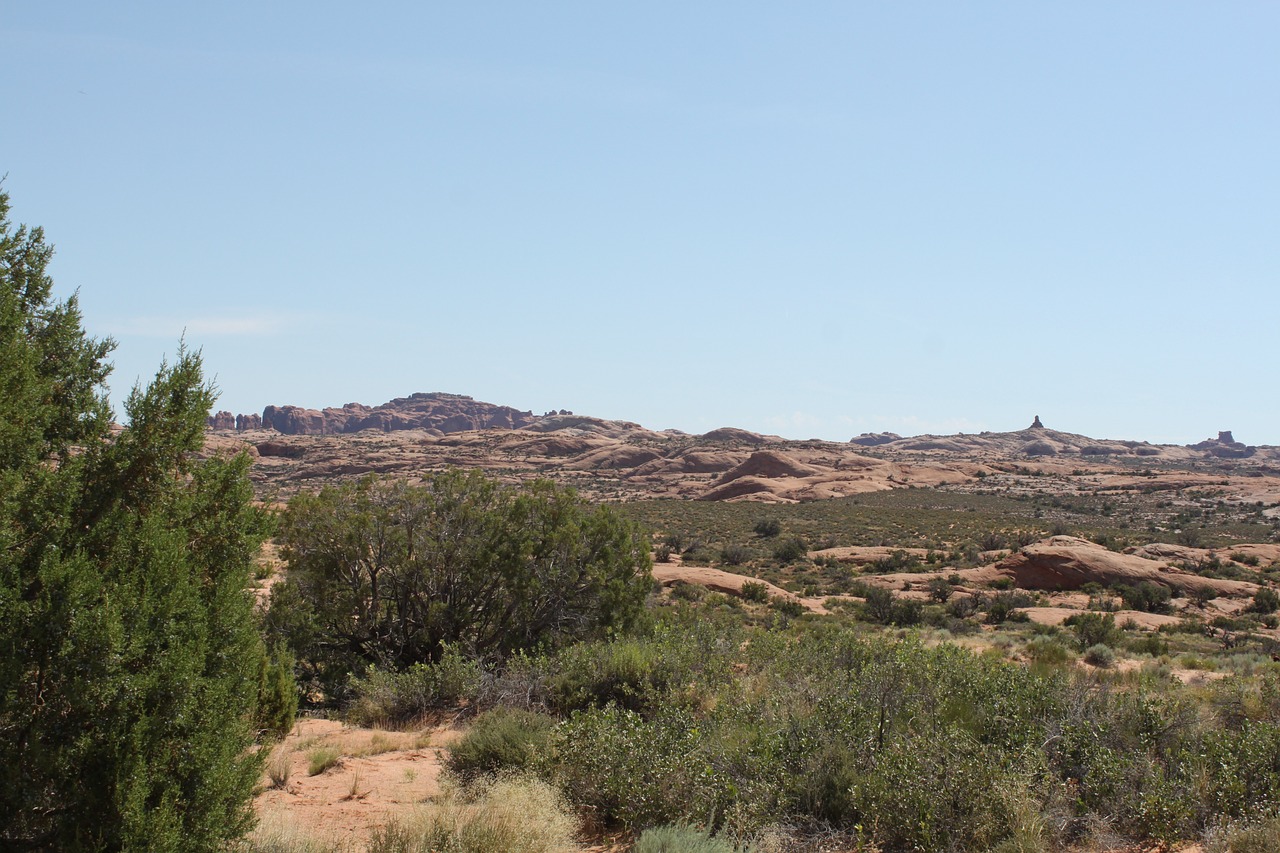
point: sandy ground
(366, 788)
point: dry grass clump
(276, 834)
(516, 815)
(1256, 836)
(321, 759)
(279, 766)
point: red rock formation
(444, 412)
(222, 420)
(1066, 562)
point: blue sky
(815, 221)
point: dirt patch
(380, 775)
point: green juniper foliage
(389, 574)
(129, 657)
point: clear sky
(812, 219)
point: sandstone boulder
(1066, 562)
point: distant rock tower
(1036, 424)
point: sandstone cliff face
(445, 413)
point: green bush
(767, 528)
(754, 591)
(130, 662)
(388, 573)
(500, 740)
(790, 550)
(735, 555)
(395, 698)
(1265, 600)
(1047, 651)
(1092, 629)
(1100, 655)
(1146, 596)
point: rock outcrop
(1225, 446)
(221, 420)
(445, 413)
(1066, 562)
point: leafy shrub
(1092, 629)
(1004, 607)
(382, 698)
(1265, 600)
(503, 739)
(682, 838)
(630, 771)
(767, 528)
(1046, 650)
(940, 589)
(790, 550)
(754, 591)
(1146, 596)
(387, 573)
(735, 555)
(787, 606)
(688, 591)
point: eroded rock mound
(733, 434)
(768, 464)
(875, 439)
(1066, 562)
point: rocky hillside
(299, 449)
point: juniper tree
(129, 659)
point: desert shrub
(897, 561)
(682, 838)
(755, 591)
(993, 541)
(387, 573)
(940, 589)
(1046, 650)
(500, 740)
(767, 528)
(1092, 629)
(1148, 644)
(688, 591)
(1146, 596)
(519, 815)
(790, 550)
(964, 606)
(1100, 655)
(879, 605)
(1265, 600)
(735, 555)
(632, 772)
(630, 673)
(680, 660)
(381, 698)
(789, 607)
(280, 767)
(1003, 607)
